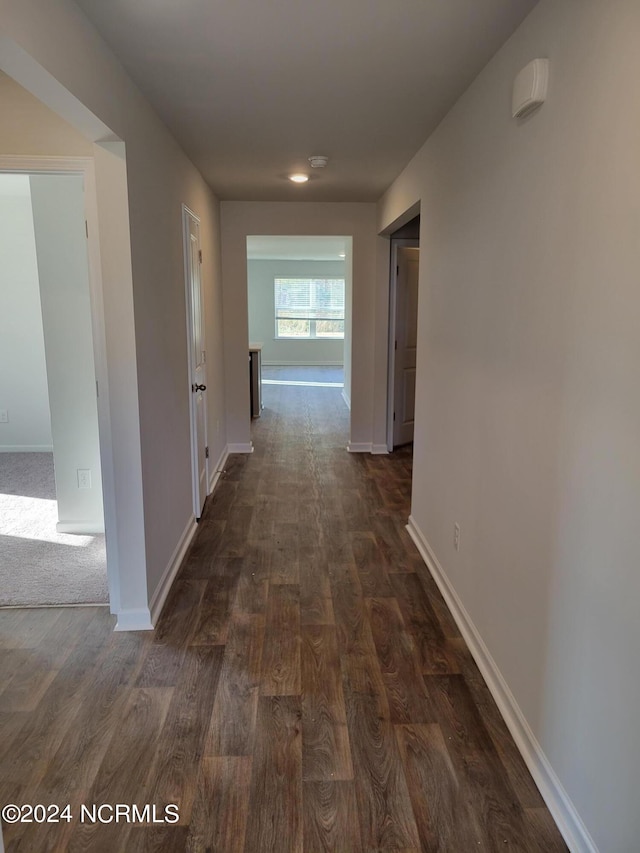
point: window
(309, 307)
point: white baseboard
(134, 620)
(347, 400)
(168, 576)
(380, 450)
(558, 802)
(26, 448)
(359, 447)
(240, 448)
(218, 469)
(81, 528)
(166, 581)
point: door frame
(396, 243)
(84, 166)
(187, 215)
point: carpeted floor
(37, 564)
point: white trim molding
(380, 450)
(240, 448)
(347, 399)
(26, 448)
(82, 528)
(359, 447)
(218, 469)
(134, 620)
(558, 802)
(168, 576)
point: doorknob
(195, 388)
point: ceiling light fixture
(318, 161)
(299, 178)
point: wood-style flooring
(305, 689)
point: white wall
(51, 49)
(528, 416)
(241, 219)
(61, 249)
(261, 276)
(23, 377)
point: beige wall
(21, 338)
(32, 129)
(261, 277)
(528, 416)
(370, 277)
(52, 50)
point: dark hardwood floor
(306, 688)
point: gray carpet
(37, 564)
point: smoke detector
(318, 161)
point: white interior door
(404, 384)
(197, 360)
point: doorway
(299, 298)
(403, 329)
(52, 529)
(197, 360)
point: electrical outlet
(4, 416)
(84, 478)
(456, 536)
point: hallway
(305, 689)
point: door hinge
(396, 345)
(206, 453)
(86, 228)
(200, 255)
(398, 270)
(394, 416)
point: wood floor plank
(371, 568)
(326, 753)
(233, 718)
(214, 612)
(281, 653)
(276, 781)
(221, 809)
(513, 762)
(24, 628)
(496, 812)
(425, 628)
(26, 756)
(384, 806)
(70, 773)
(176, 623)
(172, 779)
(542, 833)
(123, 770)
(330, 818)
(406, 691)
(438, 801)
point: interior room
(296, 295)
(52, 548)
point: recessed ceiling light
(299, 179)
(342, 255)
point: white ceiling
(252, 88)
